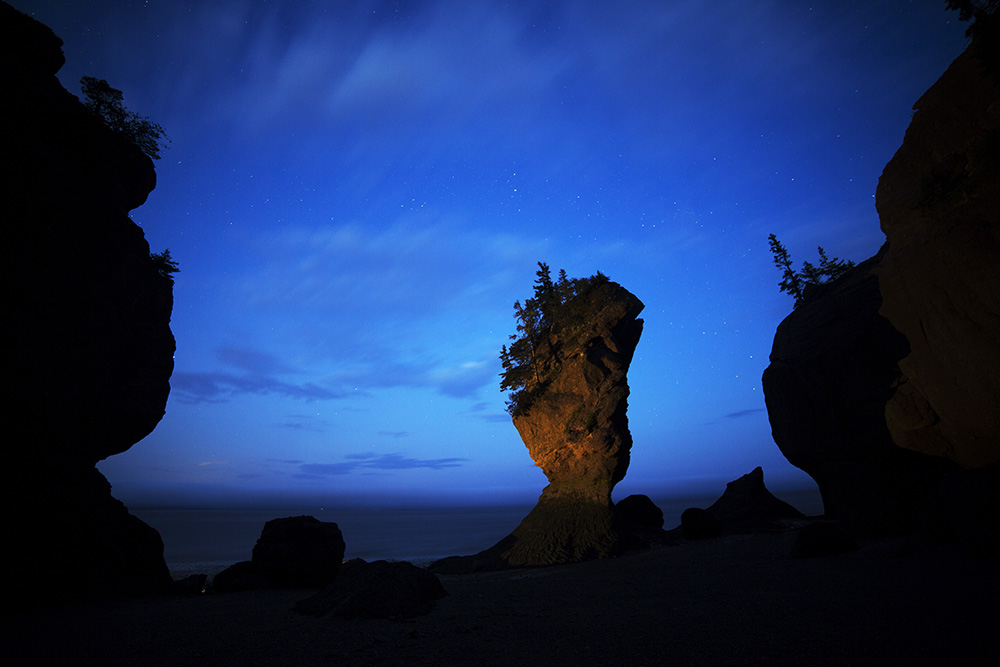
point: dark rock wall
(833, 369)
(89, 350)
(939, 206)
(886, 383)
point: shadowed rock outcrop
(833, 369)
(576, 430)
(291, 552)
(89, 352)
(746, 507)
(885, 384)
(299, 551)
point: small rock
(699, 524)
(638, 509)
(380, 589)
(239, 577)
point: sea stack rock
(89, 350)
(576, 430)
(885, 385)
(748, 506)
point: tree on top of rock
(554, 304)
(795, 282)
(107, 104)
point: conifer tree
(552, 305)
(794, 282)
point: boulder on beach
(299, 552)
(380, 589)
(639, 510)
(699, 524)
(239, 577)
(292, 552)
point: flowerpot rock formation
(576, 431)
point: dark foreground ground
(731, 601)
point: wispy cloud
(368, 461)
(743, 413)
(256, 362)
(221, 387)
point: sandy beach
(737, 600)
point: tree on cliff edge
(107, 104)
(554, 304)
(795, 282)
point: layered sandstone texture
(939, 206)
(89, 350)
(576, 431)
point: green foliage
(555, 304)
(164, 264)
(107, 104)
(795, 282)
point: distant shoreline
(206, 541)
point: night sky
(357, 192)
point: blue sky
(357, 192)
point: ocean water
(209, 540)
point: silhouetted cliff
(885, 387)
(89, 350)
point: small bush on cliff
(164, 264)
(561, 304)
(107, 104)
(795, 282)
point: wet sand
(736, 600)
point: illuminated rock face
(89, 351)
(577, 432)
